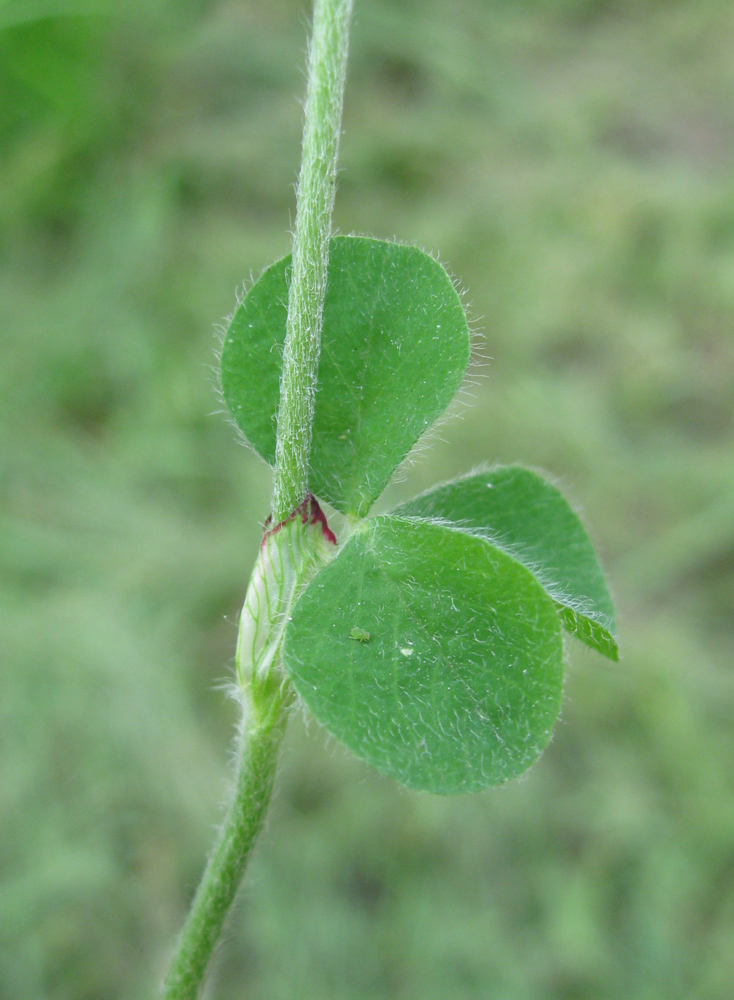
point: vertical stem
(264, 723)
(316, 188)
(258, 747)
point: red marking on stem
(309, 512)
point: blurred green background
(572, 161)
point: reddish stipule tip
(309, 512)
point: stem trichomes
(296, 541)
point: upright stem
(267, 698)
(258, 752)
(316, 187)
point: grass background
(571, 161)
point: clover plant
(428, 640)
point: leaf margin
(597, 631)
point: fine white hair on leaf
(478, 360)
(464, 397)
(220, 334)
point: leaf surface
(456, 682)
(394, 349)
(522, 513)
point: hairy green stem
(258, 747)
(316, 187)
(265, 690)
